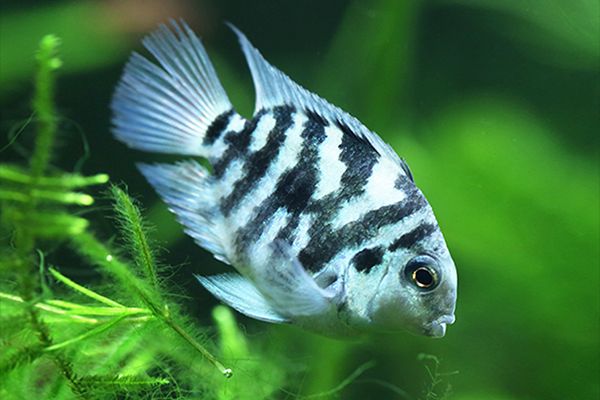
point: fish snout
(437, 328)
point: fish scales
(330, 175)
(319, 217)
(257, 163)
(326, 242)
(218, 146)
(292, 190)
(247, 215)
(235, 145)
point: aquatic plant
(119, 335)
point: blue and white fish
(319, 217)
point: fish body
(319, 217)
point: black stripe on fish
(325, 243)
(293, 189)
(305, 173)
(238, 143)
(404, 183)
(359, 156)
(406, 169)
(326, 208)
(366, 259)
(411, 238)
(311, 114)
(257, 163)
(217, 127)
(297, 185)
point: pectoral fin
(278, 293)
(240, 294)
(291, 290)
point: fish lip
(437, 328)
(446, 319)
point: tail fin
(169, 107)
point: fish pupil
(422, 277)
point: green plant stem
(122, 381)
(18, 175)
(81, 199)
(61, 362)
(351, 378)
(77, 309)
(92, 332)
(233, 343)
(132, 228)
(99, 254)
(24, 355)
(43, 104)
(25, 236)
(56, 225)
(43, 107)
(227, 372)
(49, 308)
(83, 290)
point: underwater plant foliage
(123, 336)
(492, 104)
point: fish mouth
(437, 328)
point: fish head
(417, 291)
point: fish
(319, 218)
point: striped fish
(319, 217)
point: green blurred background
(495, 106)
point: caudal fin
(169, 106)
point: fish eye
(423, 277)
(422, 272)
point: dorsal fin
(274, 88)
